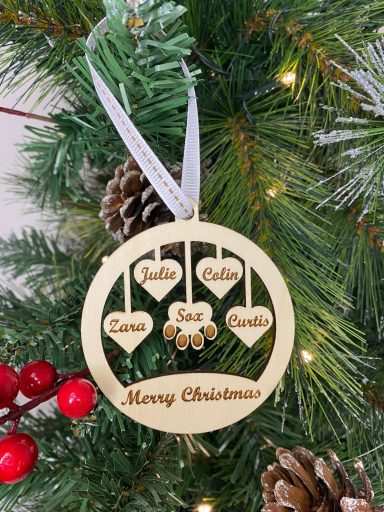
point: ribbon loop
(176, 198)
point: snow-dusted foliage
(362, 169)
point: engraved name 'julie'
(164, 274)
(190, 394)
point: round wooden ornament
(197, 401)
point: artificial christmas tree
(263, 73)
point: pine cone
(303, 483)
(131, 204)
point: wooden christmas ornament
(195, 401)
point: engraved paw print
(183, 338)
(186, 321)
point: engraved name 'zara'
(116, 326)
(225, 274)
(164, 274)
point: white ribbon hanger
(176, 198)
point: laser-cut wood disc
(188, 402)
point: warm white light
(204, 507)
(104, 259)
(271, 192)
(288, 78)
(307, 356)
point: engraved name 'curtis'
(256, 321)
(225, 274)
(116, 326)
(190, 394)
(164, 274)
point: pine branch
(56, 156)
(360, 243)
(97, 477)
(143, 482)
(156, 93)
(38, 39)
(152, 90)
(273, 195)
(32, 255)
(27, 115)
(41, 327)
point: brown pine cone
(301, 482)
(131, 205)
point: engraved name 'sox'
(189, 317)
(184, 316)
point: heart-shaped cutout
(249, 324)
(128, 329)
(158, 277)
(219, 274)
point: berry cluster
(39, 381)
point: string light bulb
(204, 507)
(307, 356)
(271, 192)
(288, 78)
(104, 259)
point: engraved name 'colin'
(164, 274)
(117, 326)
(225, 274)
(256, 321)
(190, 394)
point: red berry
(9, 385)
(37, 377)
(18, 456)
(76, 398)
